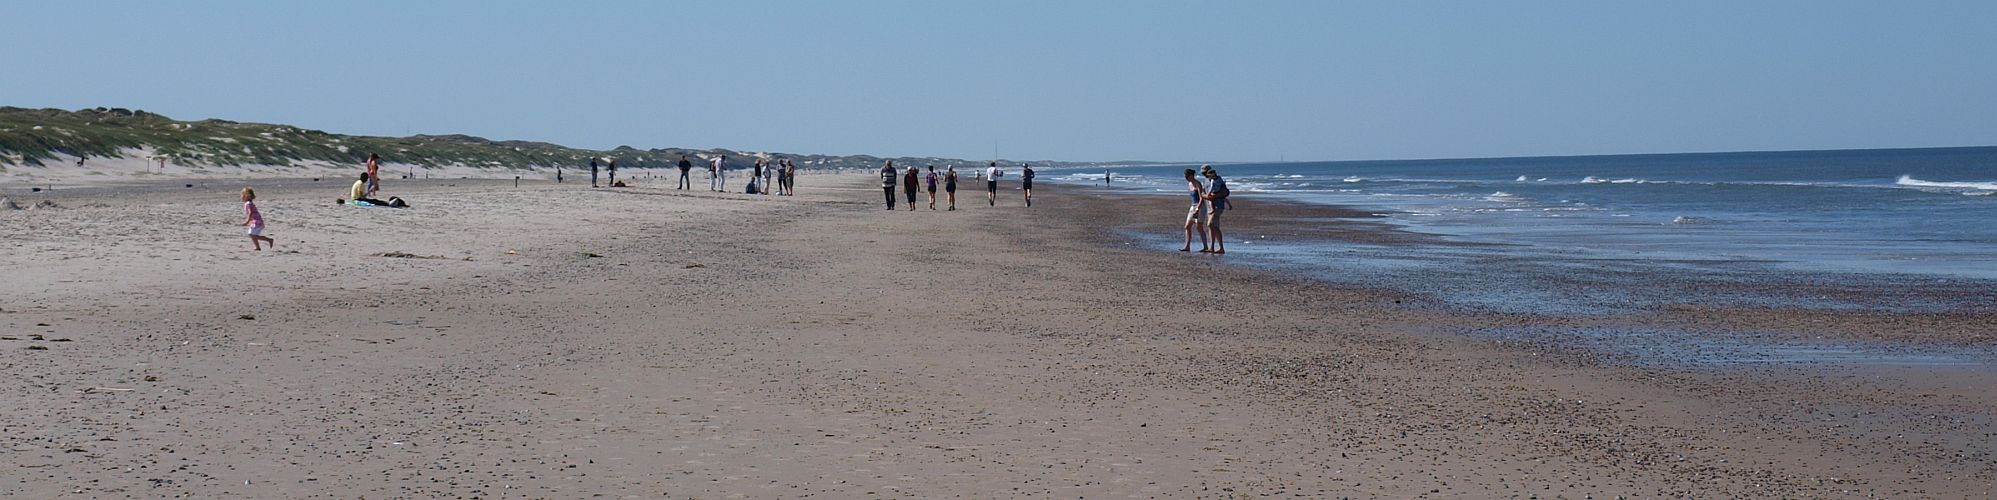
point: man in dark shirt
(592, 172)
(685, 166)
(888, 175)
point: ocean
(1589, 232)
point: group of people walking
(913, 180)
(1209, 201)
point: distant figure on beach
(717, 174)
(1196, 215)
(1026, 182)
(931, 177)
(789, 179)
(254, 220)
(950, 186)
(613, 172)
(685, 167)
(769, 174)
(887, 182)
(374, 174)
(79, 161)
(558, 174)
(909, 185)
(1105, 178)
(992, 175)
(1216, 196)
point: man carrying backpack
(1217, 203)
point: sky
(1062, 80)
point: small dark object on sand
(34, 190)
(246, 316)
(190, 185)
(691, 266)
(37, 348)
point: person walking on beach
(717, 174)
(992, 174)
(755, 173)
(887, 182)
(374, 174)
(1216, 196)
(592, 172)
(1196, 215)
(1026, 182)
(931, 177)
(950, 186)
(613, 172)
(909, 185)
(254, 220)
(685, 166)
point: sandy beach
(556, 341)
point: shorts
(1213, 218)
(256, 231)
(1026, 185)
(991, 186)
(1196, 214)
(949, 188)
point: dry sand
(552, 341)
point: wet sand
(557, 341)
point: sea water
(1594, 232)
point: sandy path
(716, 345)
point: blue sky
(1075, 80)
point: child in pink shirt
(254, 219)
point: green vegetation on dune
(35, 136)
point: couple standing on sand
(613, 172)
(1209, 201)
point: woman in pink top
(254, 219)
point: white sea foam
(1597, 180)
(1355, 179)
(1520, 179)
(1502, 196)
(1911, 181)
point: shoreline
(648, 342)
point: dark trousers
(685, 183)
(889, 191)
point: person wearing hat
(1216, 196)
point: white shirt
(716, 162)
(991, 174)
